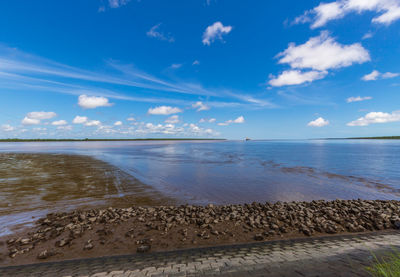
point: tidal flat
(34, 184)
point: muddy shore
(113, 231)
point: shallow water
(236, 171)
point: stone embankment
(171, 227)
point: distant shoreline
(144, 139)
(384, 137)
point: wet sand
(32, 185)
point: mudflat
(33, 184)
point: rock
(88, 245)
(62, 242)
(258, 237)
(45, 254)
(143, 248)
(397, 224)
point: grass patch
(388, 266)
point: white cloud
(173, 119)
(155, 33)
(358, 99)
(30, 121)
(117, 123)
(200, 106)
(371, 76)
(176, 65)
(375, 75)
(91, 102)
(215, 31)
(195, 62)
(319, 54)
(388, 10)
(211, 120)
(164, 110)
(389, 75)
(65, 128)
(323, 53)
(79, 119)
(131, 119)
(92, 123)
(367, 35)
(59, 123)
(41, 115)
(319, 122)
(376, 117)
(117, 3)
(238, 120)
(7, 128)
(39, 129)
(296, 77)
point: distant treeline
(387, 137)
(87, 139)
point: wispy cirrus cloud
(358, 99)
(156, 33)
(19, 70)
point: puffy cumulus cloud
(34, 118)
(155, 32)
(79, 119)
(323, 53)
(65, 128)
(185, 130)
(30, 121)
(173, 119)
(375, 75)
(215, 31)
(238, 120)
(164, 110)
(118, 123)
(91, 123)
(209, 120)
(59, 122)
(92, 102)
(39, 129)
(85, 121)
(41, 115)
(376, 117)
(319, 122)
(7, 128)
(388, 11)
(319, 54)
(295, 77)
(200, 106)
(358, 99)
(131, 119)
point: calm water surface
(236, 171)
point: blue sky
(216, 68)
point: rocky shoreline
(100, 232)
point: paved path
(328, 256)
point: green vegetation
(388, 266)
(86, 139)
(386, 137)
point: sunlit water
(236, 171)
